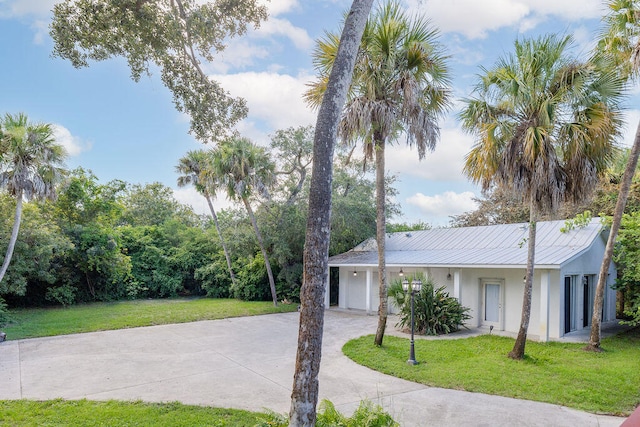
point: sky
(131, 131)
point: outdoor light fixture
(449, 274)
(401, 273)
(416, 287)
(355, 273)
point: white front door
(492, 291)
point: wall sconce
(449, 274)
(401, 273)
(355, 273)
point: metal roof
(486, 246)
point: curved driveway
(247, 363)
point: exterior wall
(548, 294)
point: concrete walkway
(247, 363)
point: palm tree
(243, 169)
(30, 167)
(620, 43)
(195, 168)
(400, 87)
(545, 125)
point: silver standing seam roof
(493, 246)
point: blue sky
(121, 129)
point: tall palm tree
(243, 169)
(620, 44)
(30, 167)
(400, 87)
(195, 168)
(545, 125)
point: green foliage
(5, 316)
(366, 415)
(435, 312)
(627, 259)
(65, 294)
(214, 278)
(581, 220)
(172, 37)
(251, 279)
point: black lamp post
(416, 286)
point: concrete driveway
(247, 363)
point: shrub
(65, 295)
(435, 312)
(4, 313)
(367, 415)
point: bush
(367, 415)
(435, 312)
(65, 295)
(4, 313)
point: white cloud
(271, 97)
(471, 17)
(277, 7)
(632, 118)
(443, 205)
(475, 18)
(444, 164)
(276, 26)
(73, 144)
(19, 8)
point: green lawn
(558, 373)
(22, 413)
(42, 322)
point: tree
(545, 125)
(304, 395)
(195, 169)
(400, 86)
(619, 42)
(30, 167)
(245, 169)
(175, 36)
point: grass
(23, 413)
(558, 373)
(42, 322)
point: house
(484, 267)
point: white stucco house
(484, 268)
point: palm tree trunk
(14, 235)
(518, 348)
(272, 283)
(623, 195)
(304, 394)
(380, 237)
(224, 246)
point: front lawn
(42, 322)
(23, 413)
(558, 373)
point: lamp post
(416, 286)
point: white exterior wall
(547, 303)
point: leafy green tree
(400, 86)
(619, 43)
(38, 253)
(88, 214)
(196, 169)
(545, 125)
(151, 204)
(30, 167)
(174, 36)
(627, 258)
(304, 395)
(245, 170)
